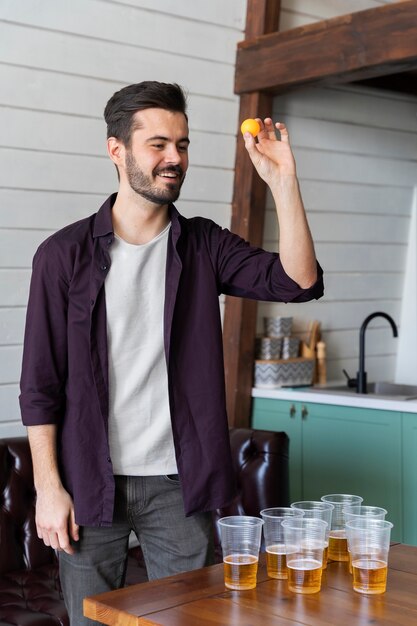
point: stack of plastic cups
(317, 510)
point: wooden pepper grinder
(321, 374)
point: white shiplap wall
(60, 61)
(356, 152)
(296, 13)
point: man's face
(157, 159)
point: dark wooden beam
(358, 46)
(248, 209)
(406, 82)
(239, 325)
(262, 17)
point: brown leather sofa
(260, 460)
(30, 593)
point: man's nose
(172, 155)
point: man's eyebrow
(162, 138)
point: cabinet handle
(292, 411)
(304, 413)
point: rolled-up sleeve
(250, 272)
(44, 365)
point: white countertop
(324, 395)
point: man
(122, 385)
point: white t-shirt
(140, 432)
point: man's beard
(143, 184)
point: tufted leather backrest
(20, 546)
(260, 459)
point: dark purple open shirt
(65, 363)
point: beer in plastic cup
(337, 535)
(274, 539)
(369, 541)
(353, 511)
(318, 510)
(304, 542)
(241, 540)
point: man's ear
(116, 151)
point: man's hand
(271, 157)
(55, 521)
(55, 518)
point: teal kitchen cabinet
(410, 477)
(341, 449)
(282, 415)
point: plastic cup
(274, 539)
(369, 541)
(354, 511)
(241, 540)
(317, 510)
(304, 542)
(337, 537)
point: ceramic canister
(266, 374)
(277, 326)
(279, 373)
(268, 347)
(290, 347)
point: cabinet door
(354, 450)
(410, 477)
(281, 415)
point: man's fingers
(283, 131)
(253, 149)
(59, 540)
(54, 541)
(250, 143)
(50, 539)
(64, 542)
(269, 129)
(73, 527)
(45, 538)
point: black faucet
(361, 386)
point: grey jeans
(152, 507)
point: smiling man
(122, 386)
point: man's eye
(183, 148)
(158, 145)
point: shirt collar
(103, 224)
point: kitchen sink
(392, 389)
(395, 391)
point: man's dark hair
(123, 105)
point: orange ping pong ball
(251, 126)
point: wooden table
(199, 598)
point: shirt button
(104, 267)
(108, 459)
(92, 302)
